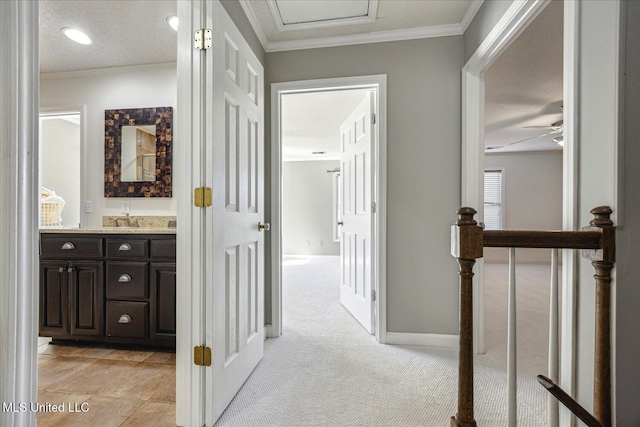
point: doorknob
(340, 223)
(266, 226)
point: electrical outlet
(125, 207)
(88, 206)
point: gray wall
(307, 208)
(423, 165)
(487, 17)
(627, 355)
(533, 198)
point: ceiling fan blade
(535, 137)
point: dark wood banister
(597, 242)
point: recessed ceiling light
(173, 22)
(318, 152)
(77, 36)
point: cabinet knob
(124, 278)
(61, 270)
(125, 318)
(70, 269)
(68, 246)
(124, 247)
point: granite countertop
(109, 230)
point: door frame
(517, 17)
(378, 83)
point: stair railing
(597, 242)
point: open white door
(356, 244)
(234, 242)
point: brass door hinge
(202, 39)
(202, 355)
(202, 197)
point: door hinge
(202, 355)
(202, 39)
(202, 197)
(373, 207)
(373, 295)
(373, 118)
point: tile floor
(119, 387)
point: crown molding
(255, 24)
(108, 70)
(473, 8)
(374, 37)
(364, 38)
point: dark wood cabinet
(108, 288)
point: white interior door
(234, 242)
(356, 245)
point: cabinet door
(163, 300)
(54, 299)
(86, 281)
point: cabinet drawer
(163, 249)
(127, 280)
(70, 247)
(127, 319)
(127, 248)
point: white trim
(510, 25)
(471, 12)
(379, 83)
(108, 70)
(189, 323)
(255, 24)
(428, 340)
(364, 38)
(369, 18)
(19, 288)
(571, 102)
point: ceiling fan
(556, 128)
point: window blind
(493, 203)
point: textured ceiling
(524, 86)
(311, 122)
(124, 33)
(392, 15)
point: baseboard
(268, 332)
(428, 340)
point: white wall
(136, 87)
(307, 208)
(423, 166)
(533, 198)
(60, 165)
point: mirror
(138, 152)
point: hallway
(325, 370)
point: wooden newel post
(466, 247)
(603, 260)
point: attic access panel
(301, 15)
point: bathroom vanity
(108, 285)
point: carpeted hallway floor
(325, 370)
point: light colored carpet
(325, 370)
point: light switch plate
(125, 207)
(88, 206)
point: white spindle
(511, 345)
(552, 405)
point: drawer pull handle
(124, 278)
(68, 246)
(124, 247)
(125, 318)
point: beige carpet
(325, 370)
